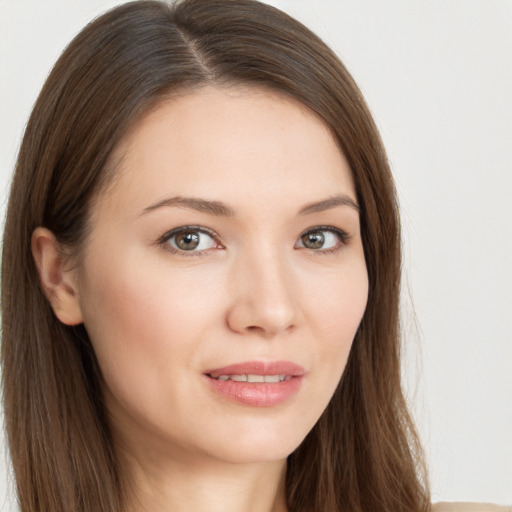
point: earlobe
(58, 283)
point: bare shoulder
(469, 507)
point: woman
(200, 276)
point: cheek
(340, 302)
(340, 306)
(144, 297)
(145, 321)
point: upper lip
(259, 368)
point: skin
(159, 317)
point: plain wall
(437, 75)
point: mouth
(252, 378)
(256, 383)
(279, 370)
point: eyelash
(343, 237)
(164, 240)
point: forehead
(229, 144)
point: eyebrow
(221, 210)
(201, 205)
(327, 204)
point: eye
(189, 239)
(322, 239)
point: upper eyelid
(333, 229)
(178, 230)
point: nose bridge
(264, 299)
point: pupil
(313, 240)
(187, 241)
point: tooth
(255, 378)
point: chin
(264, 445)
(251, 455)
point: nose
(264, 299)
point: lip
(258, 394)
(259, 368)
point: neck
(200, 484)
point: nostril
(254, 328)
(268, 331)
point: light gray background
(438, 77)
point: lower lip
(257, 394)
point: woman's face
(227, 250)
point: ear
(58, 282)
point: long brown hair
(363, 455)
